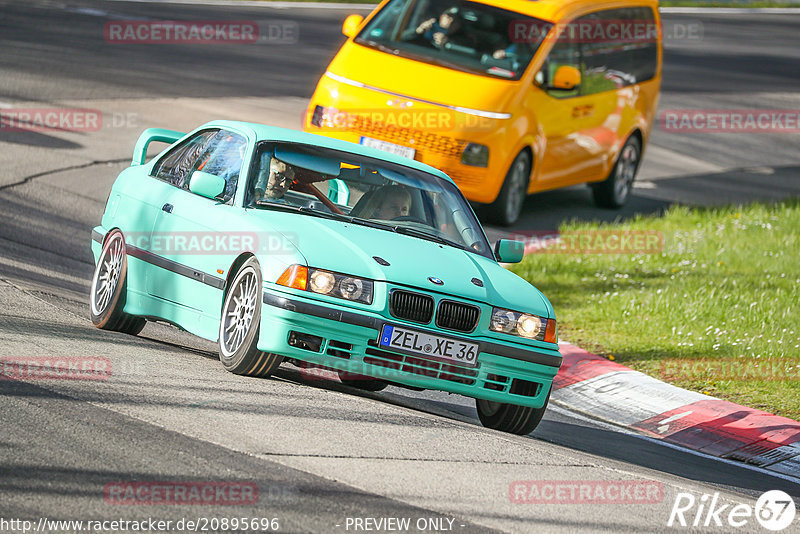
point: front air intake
(413, 307)
(457, 316)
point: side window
(176, 167)
(622, 50)
(611, 49)
(564, 52)
(222, 156)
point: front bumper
(349, 344)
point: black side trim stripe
(97, 236)
(357, 319)
(514, 353)
(324, 312)
(175, 267)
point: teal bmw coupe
(286, 246)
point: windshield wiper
(303, 209)
(429, 236)
(381, 47)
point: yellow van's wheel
(614, 191)
(505, 210)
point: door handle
(167, 208)
(585, 110)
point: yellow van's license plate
(424, 344)
(392, 148)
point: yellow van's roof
(553, 10)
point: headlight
(523, 325)
(323, 282)
(475, 155)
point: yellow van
(508, 97)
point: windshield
(459, 35)
(327, 183)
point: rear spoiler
(148, 136)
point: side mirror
(566, 78)
(351, 25)
(206, 185)
(508, 251)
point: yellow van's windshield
(460, 35)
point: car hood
(351, 249)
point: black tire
(366, 383)
(615, 190)
(520, 420)
(109, 289)
(506, 209)
(239, 325)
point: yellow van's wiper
(381, 47)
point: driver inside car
(274, 185)
(390, 202)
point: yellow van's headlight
(475, 155)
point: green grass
(724, 293)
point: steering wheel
(409, 218)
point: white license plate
(429, 345)
(392, 148)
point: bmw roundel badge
(435, 280)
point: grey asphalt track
(318, 451)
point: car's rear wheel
(361, 382)
(108, 290)
(506, 209)
(511, 418)
(614, 191)
(239, 326)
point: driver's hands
(499, 54)
(439, 38)
(425, 26)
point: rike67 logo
(774, 510)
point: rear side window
(612, 49)
(619, 47)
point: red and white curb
(611, 392)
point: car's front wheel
(239, 325)
(108, 292)
(614, 191)
(506, 209)
(510, 418)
